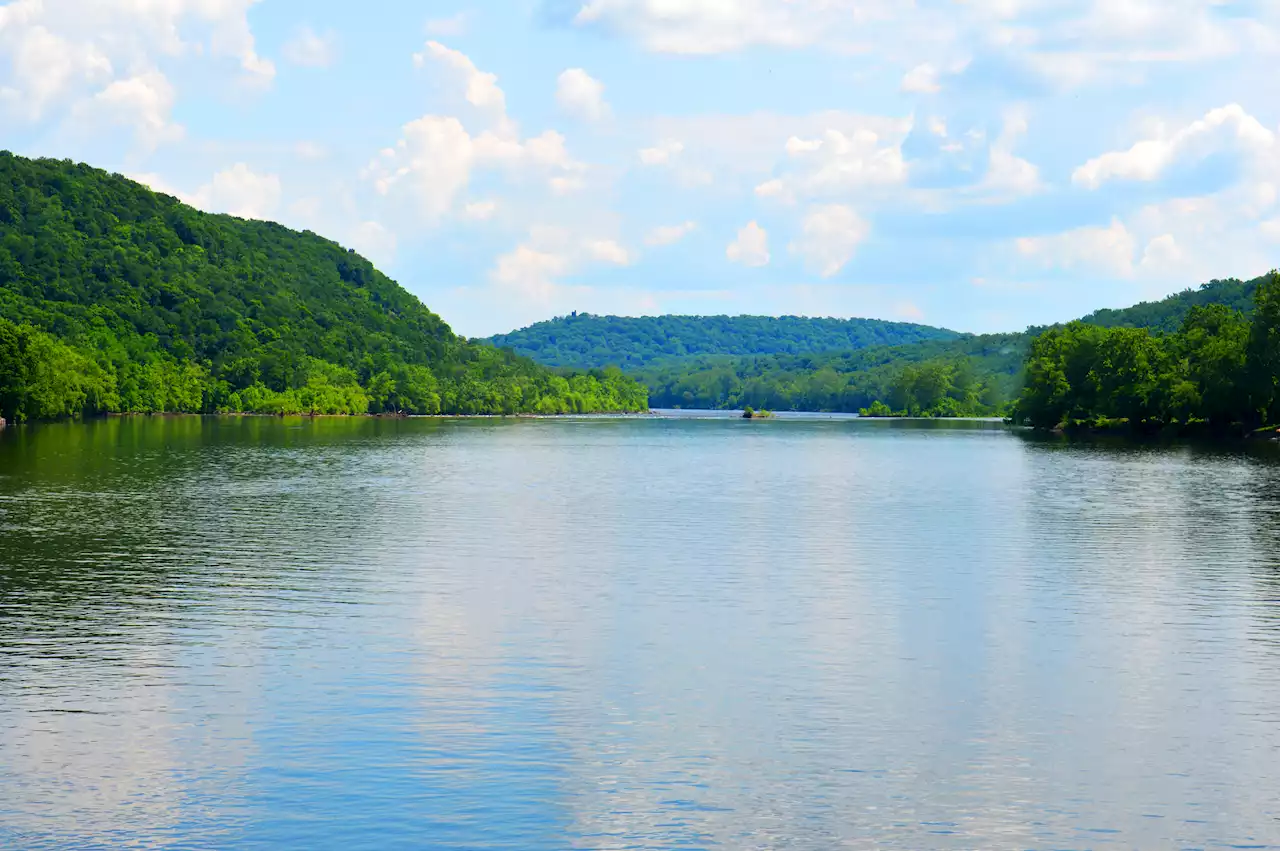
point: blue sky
(978, 164)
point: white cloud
(837, 164)
(1228, 127)
(436, 155)
(1008, 174)
(581, 95)
(797, 146)
(670, 234)
(1107, 249)
(143, 104)
(157, 184)
(907, 311)
(1162, 254)
(310, 150)
(311, 49)
(831, 236)
(480, 89)
(59, 56)
(452, 26)
(708, 26)
(668, 154)
(374, 241)
(773, 188)
(531, 272)
(661, 153)
(922, 79)
(1070, 42)
(480, 211)
(751, 248)
(607, 251)
(239, 191)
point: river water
(650, 633)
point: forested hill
(1168, 314)
(586, 340)
(968, 375)
(115, 298)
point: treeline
(971, 376)
(1218, 372)
(584, 340)
(44, 378)
(116, 299)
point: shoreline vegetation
(1218, 375)
(117, 299)
(709, 368)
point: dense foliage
(115, 298)
(971, 376)
(583, 340)
(1217, 372)
(1169, 313)
(829, 365)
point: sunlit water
(633, 633)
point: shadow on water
(124, 511)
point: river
(646, 632)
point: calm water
(633, 633)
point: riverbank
(1188, 431)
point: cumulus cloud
(143, 104)
(1226, 128)
(532, 271)
(374, 241)
(922, 79)
(668, 154)
(436, 155)
(100, 59)
(311, 49)
(831, 236)
(239, 191)
(480, 88)
(751, 248)
(1061, 44)
(837, 164)
(670, 234)
(480, 211)
(581, 95)
(1108, 249)
(711, 26)
(448, 27)
(1008, 174)
(661, 153)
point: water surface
(634, 633)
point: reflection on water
(634, 633)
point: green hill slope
(971, 374)
(584, 340)
(115, 298)
(1168, 314)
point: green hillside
(967, 375)
(1218, 373)
(583, 340)
(115, 298)
(1168, 314)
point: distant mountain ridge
(584, 340)
(986, 368)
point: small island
(752, 414)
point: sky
(982, 165)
